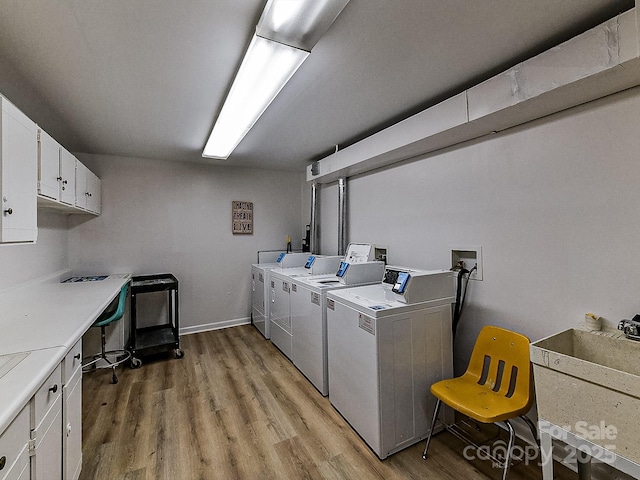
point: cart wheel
(179, 353)
(135, 362)
(114, 379)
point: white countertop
(45, 319)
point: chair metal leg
(584, 465)
(532, 427)
(507, 460)
(103, 356)
(433, 426)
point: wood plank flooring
(235, 408)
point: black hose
(457, 309)
(460, 296)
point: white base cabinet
(72, 413)
(46, 462)
(44, 442)
(25, 474)
(14, 447)
(46, 429)
(72, 430)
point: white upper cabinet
(56, 170)
(36, 171)
(81, 185)
(18, 175)
(67, 177)
(48, 166)
(93, 192)
(88, 189)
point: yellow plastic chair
(497, 386)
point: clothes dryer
(387, 343)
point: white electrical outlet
(470, 256)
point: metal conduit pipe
(313, 236)
(342, 216)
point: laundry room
(302, 292)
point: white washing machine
(387, 343)
(260, 287)
(308, 300)
(279, 296)
(281, 289)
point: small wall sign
(242, 217)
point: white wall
(555, 205)
(328, 214)
(20, 264)
(176, 217)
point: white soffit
(597, 63)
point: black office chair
(112, 313)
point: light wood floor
(235, 408)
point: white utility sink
(589, 383)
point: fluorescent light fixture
(266, 68)
(299, 23)
(285, 34)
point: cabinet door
(72, 428)
(20, 470)
(46, 464)
(14, 443)
(81, 185)
(93, 192)
(68, 177)
(19, 175)
(48, 166)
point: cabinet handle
(9, 211)
(59, 178)
(54, 389)
(3, 462)
(65, 182)
(77, 356)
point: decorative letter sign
(242, 217)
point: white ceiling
(146, 78)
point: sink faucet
(631, 328)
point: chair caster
(179, 353)
(135, 363)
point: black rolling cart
(157, 338)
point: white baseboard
(214, 326)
